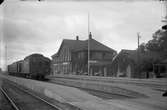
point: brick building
(72, 57)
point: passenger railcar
(35, 66)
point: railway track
(23, 100)
(12, 105)
(98, 93)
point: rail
(10, 100)
(39, 98)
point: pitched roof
(71, 44)
(132, 54)
(79, 45)
(74, 44)
(94, 45)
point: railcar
(12, 68)
(34, 66)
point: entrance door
(128, 71)
(105, 71)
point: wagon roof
(37, 55)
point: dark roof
(95, 45)
(37, 55)
(79, 45)
(131, 54)
(74, 44)
(34, 55)
(71, 44)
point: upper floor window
(81, 55)
(96, 55)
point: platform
(86, 101)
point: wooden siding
(62, 62)
(69, 61)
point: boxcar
(34, 66)
(15, 68)
(12, 68)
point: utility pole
(88, 46)
(164, 5)
(138, 39)
(138, 53)
(5, 55)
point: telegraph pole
(164, 19)
(138, 53)
(138, 39)
(5, 52)
(88, 46)
(6, 56)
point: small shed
(124, 64)
(160, 69)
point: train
(34, 66)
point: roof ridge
(73, 40)
(103, 45)
(77, 45)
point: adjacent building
(160, 68)
(72, 58)
(134, 64)
(124, 64)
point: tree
(154, 51)
(142, 48)
(159, 41)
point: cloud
(40, 27)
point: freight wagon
(35, 66)
(16, 68)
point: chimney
(90, 35)
(77, 37)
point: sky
(40, 27)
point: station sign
(93, 61)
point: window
(40, 63)
(104, 54)
(96, 55)
(81, 55)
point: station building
(72, 58)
